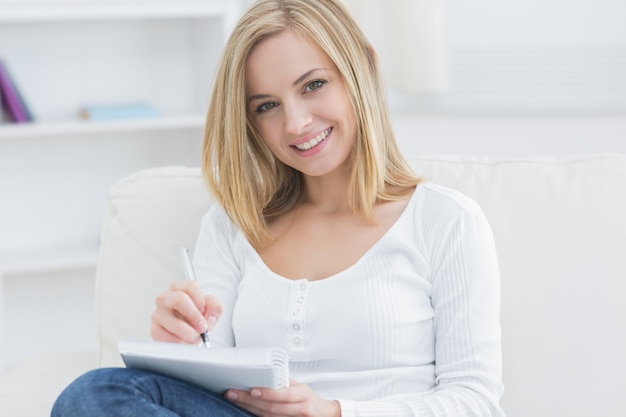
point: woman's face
(299, 104)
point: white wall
(511, 135)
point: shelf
(136, 10)
(66, 54)
(82, 127)
(49, 260)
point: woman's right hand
(183, 312)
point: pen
(191, 275)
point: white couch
(560, 229)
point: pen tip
(205, 340)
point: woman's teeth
(310, 144)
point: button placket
(297, 307)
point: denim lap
(124, 392)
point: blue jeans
(130, 392)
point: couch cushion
(560, 231)
(149, 215)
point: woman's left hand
(297, 400)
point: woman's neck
(328, 193)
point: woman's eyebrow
(305, 75)
(258, 97)
(295, 83)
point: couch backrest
(560, 230)
(149, 215)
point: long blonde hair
(238, 167)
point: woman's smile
(313, 143)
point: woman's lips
(305, 146)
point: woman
(384, 289)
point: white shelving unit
(56, 171)
(64, 55)
(86, 127)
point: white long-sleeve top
(411, 329)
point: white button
(296, 312)
(303, 286)
(296, 340)
(301, 300)
(296, 326)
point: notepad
(216, 369)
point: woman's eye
(265, 107)
(314, 85)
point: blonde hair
(237, 165)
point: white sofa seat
(560, 230)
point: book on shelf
(12, 101)
(118, 111)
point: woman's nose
(298, 116)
